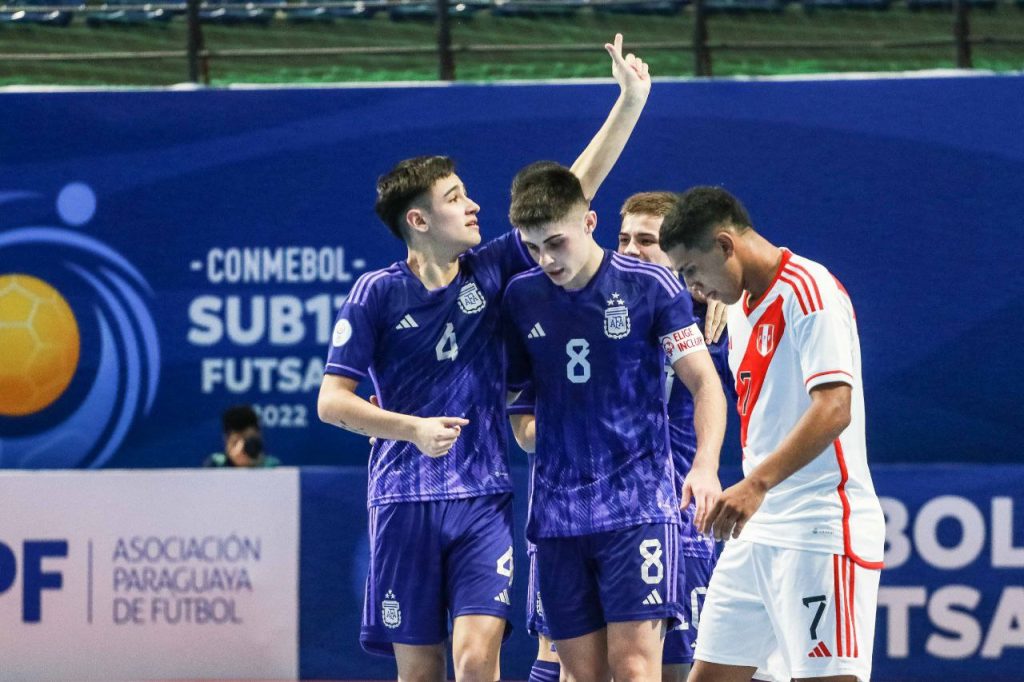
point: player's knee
(476, 662)
(635, 667)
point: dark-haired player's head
(422, 201)
(554, 219)
(239, 423)
(700, 235)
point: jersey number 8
(578, 369)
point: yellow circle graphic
(39, 345)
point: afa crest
(390, 611)
(470, 299)
(616, 318)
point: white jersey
(803, 333)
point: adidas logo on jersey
(406, 323)
(654, 598)
(536, 332)
(503, 598)
(820, 651)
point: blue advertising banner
(951, 601)
(166, 254)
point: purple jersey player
(426, 331)
(590, 329)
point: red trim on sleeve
(821, 374)
(796, 290)
(814, 284)
(844, 476)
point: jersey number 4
(447, 348)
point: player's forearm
(820, 426)
(350, 412)
(598, 159)
(709, 421)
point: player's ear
(725, 242)
(416, 220)
(590, 222)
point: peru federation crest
(390, 612)
(616, 318)
(470, 299)
(765, 339)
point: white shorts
(765, 599)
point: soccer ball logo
(40, 341)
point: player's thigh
(705, 671)
(405, 587)
(825, 608)
(585, 657)
(735, 627)
(568, 581)
(476, 643)
(634, 649)
(420, 663)
(478, 556)
(546, 649)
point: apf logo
(81, 352)
(33, 578)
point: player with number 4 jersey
(589, 330)
(426, 332)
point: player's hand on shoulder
(734, 508)
(630, 72)
(702, 487)
(715, 320)
(435, 436)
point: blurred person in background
(243, 441)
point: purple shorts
(535, 623)
(694, 576)
(431, 562)
(614, 576)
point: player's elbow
(836, 408)
(323, 408)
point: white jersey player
(805, 530)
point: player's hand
(630, 72)
(703, 487)
(435, 436)
(715, 320)
(733, 509)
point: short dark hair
(697, 213)
(544, 192)
(404, 184)
(657, 204)
(239, 418)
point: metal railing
(700, 46)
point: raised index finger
(615, 49)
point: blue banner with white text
(165, 254)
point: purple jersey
(431, 354)
(683, 438)
(597, 366)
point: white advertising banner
(117, 575)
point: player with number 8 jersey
(590, 330)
